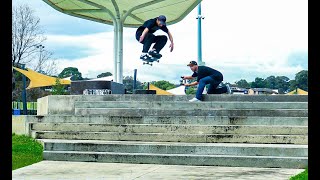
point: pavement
(66, 170)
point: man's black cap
(192, 63)
(162, 20)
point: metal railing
(17, 108)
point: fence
(17, 108)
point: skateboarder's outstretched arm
(171, 39)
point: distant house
(236, 90)
(262, 91)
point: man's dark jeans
(212, 87)
(160, 41)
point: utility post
(199, 18)
(40, 46)
(24, 92)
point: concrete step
(65, 104)
(178, 159)
(196, 112)
(153, 97)
(191, 106)
(199, 120)
(281, 150)
(173, 137)
(172, 128)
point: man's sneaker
(194, 100)
(145, 57)
(228, 89)
(155, 54)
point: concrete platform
(63, 170)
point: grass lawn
(25, 151)
(301, 176)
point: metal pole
(24, 92)
(199, 35)
(115, 51)
(120, 52)
(134, 80)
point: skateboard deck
(150, 61)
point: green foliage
(258, 83)
(25, 151)
(301, 176)
(58, 88)
(191, 90)
(302, 80)
(71, 71)
(164, 85)
(128, 84)
(106, 74)
(242, 84)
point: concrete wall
(20, 124)
(57, 104)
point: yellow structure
(158, 90)
(40, 80)
(298, 92)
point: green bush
(25, 151)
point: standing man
(205, 75)
(144, 35)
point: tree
(282, 84)
(128, 84)
(27, 37)
(71, 71)
(164, 85)
(242, 84)
(106, 74)
(45, 64)
(293, 85)
(302, 80)
(270, 82)
(58, 88)
(258, 83)
(191, 90)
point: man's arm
(171, 39)
(145, 31)
(186, 77)
(192, 84)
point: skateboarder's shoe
(155, 54)
(194, 100)
(145, 57)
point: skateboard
(150, 61)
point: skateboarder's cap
(162, 20)
(192, 63)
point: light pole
(40, 46)
(199, 17)
(24, 92)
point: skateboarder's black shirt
(204, 71)
(151, 24)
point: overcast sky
(243, 39)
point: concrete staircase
(224, 130)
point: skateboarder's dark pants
(160, 41)
(212, 87)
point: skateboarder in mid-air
(145, 36)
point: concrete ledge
(65, 104)
(179, 159)
(21, 124)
